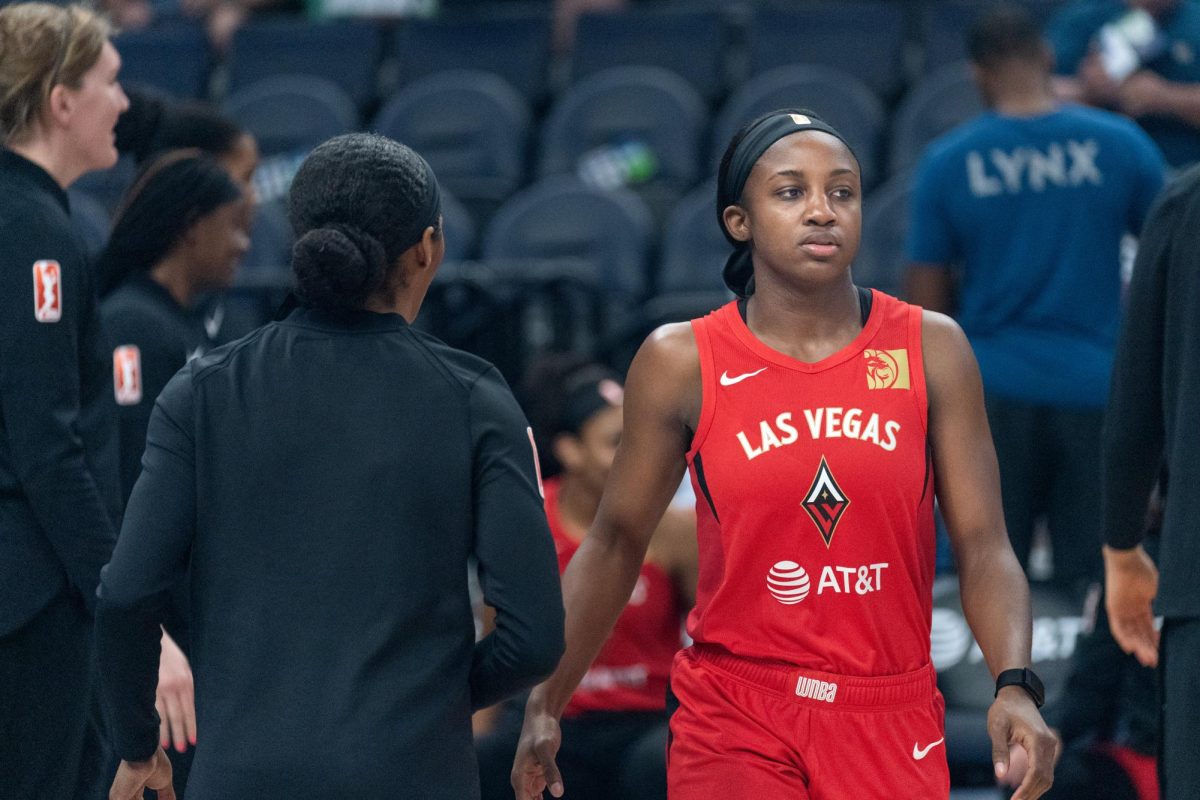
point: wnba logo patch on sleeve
(47, 291)
(127, 375)
(887, 369)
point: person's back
(326, 479)
(1034, 210)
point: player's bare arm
(662, 401)
(995, 594)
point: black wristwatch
(1026, 679)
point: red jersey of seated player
(631, 671)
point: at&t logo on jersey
(788, 582)
(127, 375)
(47, 291)
(887, 369)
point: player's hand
(534, 769)
(1130, 585)
(1014, 721)
(175, 698)
(134, 776)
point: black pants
(1087, 773)
(604, 756)
(1179, 660)
(51, 742)
(1050, 466)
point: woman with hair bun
(326, 479)
(818, 421)
(59, 497)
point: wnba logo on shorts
(887, 369)
(813, 689)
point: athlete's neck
(1021, 91)
(577, 506)
(806, 325)
(173, 276)
(45, 152)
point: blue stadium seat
(863, 38)
(620, 347)
(471, 126)
(346, 53)
(649, 106)
(935, 104)
(271, 240)
(561, 218)
(880, 261)
(515, 46)
(173, 58)
(290, 113)
(841, 99)
(693, 248)
(944, 26)
(691, 42)
(458, 228)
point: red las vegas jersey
(814, 492)
(631, 672)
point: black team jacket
(59, 495)
(326, 479)
(1154, 410)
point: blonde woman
(59, 493)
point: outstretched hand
(135, 776)
(1014, 722)
(534, 770)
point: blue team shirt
(1033, 210)
(1071, 34)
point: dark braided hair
(357, 203)
(167, 197)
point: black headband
(739, 267)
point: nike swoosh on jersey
(728, 381)
(921, 752)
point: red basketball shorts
(763, 731)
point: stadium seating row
(712, 46)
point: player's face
(597, 447)
(216, 242)
(95, 106)
(802, 208)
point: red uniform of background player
(811, 676)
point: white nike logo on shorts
(921, 752)
(728, 381)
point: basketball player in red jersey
(818, 421)
(615, 724)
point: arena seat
(880, 262)
(561, 218)
(472, 128)
(847, 103)
(938, 102)
(459, 228)
(514, 45)
(346, 53)
(863, 38)
(648, 106)
(693, 248)
(691, 42)
(289, 113)
(622, 345)
(172, 58)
